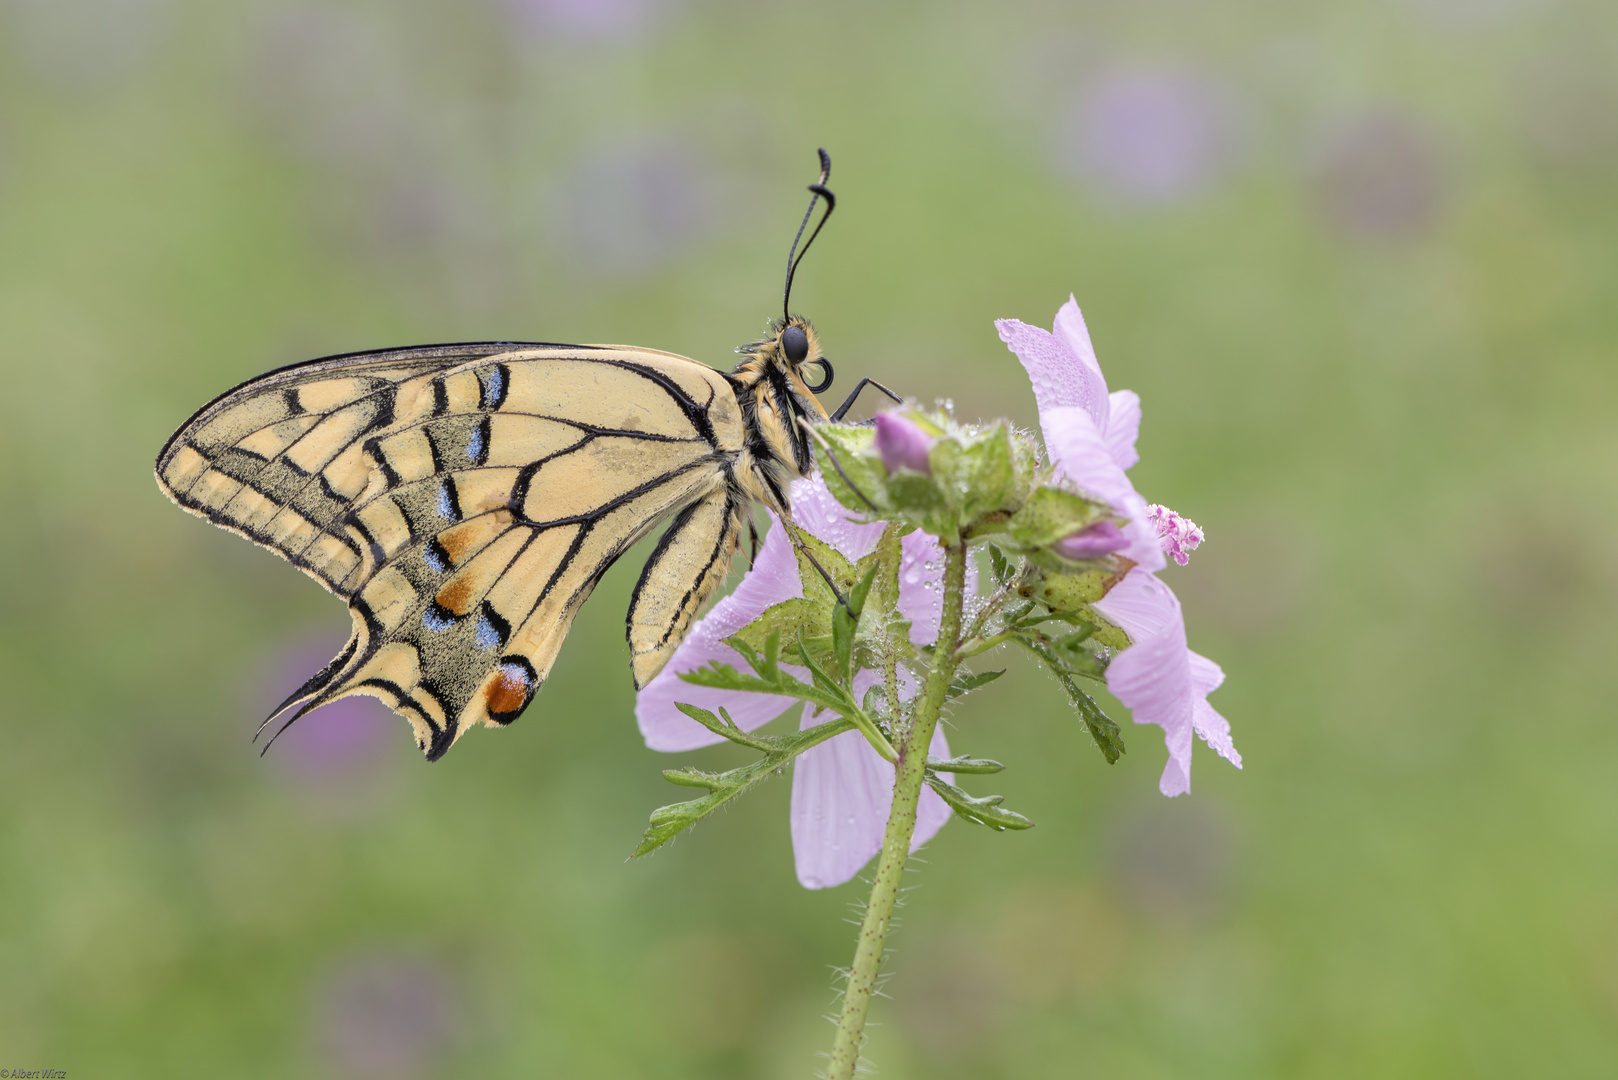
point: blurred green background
(1360, 262)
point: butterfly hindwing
(465, 503)
(688, 564)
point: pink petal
(1123, 427)
(921, 600)
(1060, 376)
(1080, 452)
(1206, 676)
(842, 792)
(820, 515)
(1160, 679)
(772, 579)
(1071, 331)
(1142, 605)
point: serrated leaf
(1108, 736)
(667, 822)
(966, 683)
(858, 594)
(721, 725)
(843, 625)
(1000, 565)
(985, 811)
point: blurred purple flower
(842, 789)
(330, 87)
(1151, 137)
(385, 1016)
(633, 203)
(1378, 176)
(88, 45)
(1092, 542)
(902, 444)
(1567, 105)
(598, 19)
(1090, 436)
(336, 740)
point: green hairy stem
(909, 775)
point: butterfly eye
(795, 343)
(825, 374)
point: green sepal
(1049, 514)
(975, 474)
(848, 461)
(1075, 591)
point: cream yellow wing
(464, 500)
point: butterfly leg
(848, 403)
(832, 456)
(797, 542)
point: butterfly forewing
(465, 500)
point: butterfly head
(776, 383)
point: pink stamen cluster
(1177, 535)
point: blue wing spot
(449, 505)
(488, 636)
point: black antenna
(818, 189)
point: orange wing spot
(458, 540)
(510, 690)
(456, 596)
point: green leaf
(1000, 564)
(966, 683)
(985, 811)
(725, 727)
(969, 766)
(1103, 729)
(667, 822)
(857, 595)
(822, 680)
(842, 643)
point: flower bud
(902, 444)
(1092, 542)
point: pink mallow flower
(842, 789)
(1090, 436)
